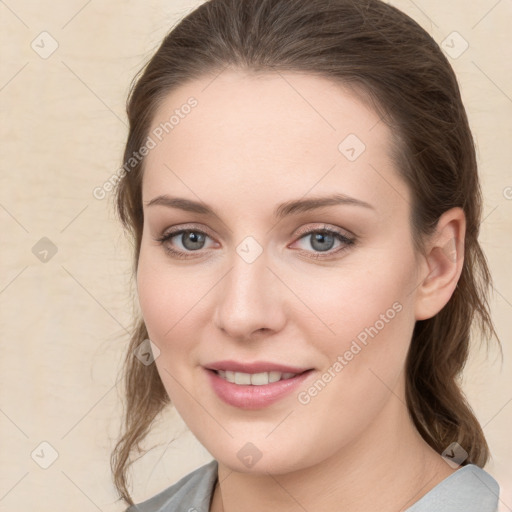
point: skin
(252, 143)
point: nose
(249, 300)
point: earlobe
(442, 264)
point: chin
(249, 458)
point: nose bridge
(248, 297)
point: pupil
(192, 240)
(319, 237)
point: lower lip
(254, 397)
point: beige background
(64, 321)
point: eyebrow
(288, 208)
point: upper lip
(254, 367)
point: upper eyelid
(326, 227)
(169, 232)
(175, 231)
(302, 231)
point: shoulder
(190, 494)
(469, 489)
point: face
(256, 284)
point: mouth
(255, 379)
(254, 385)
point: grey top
(469, 489)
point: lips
(254, 385)
(256, 367)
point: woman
(302, 191)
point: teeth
(274, 376)
(242, 378)
(255, 379)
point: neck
(389, 467)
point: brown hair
(379, 51)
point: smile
(254, 379)
(254, 385)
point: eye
(191, 240)
(323, 240)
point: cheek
(370, 314)
(174, 307)
(164, 301)
(360, 301)
(363, 367)
(166, 295)
(155, 298)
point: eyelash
(316, 255)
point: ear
(441, 264)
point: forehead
(247, 131)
